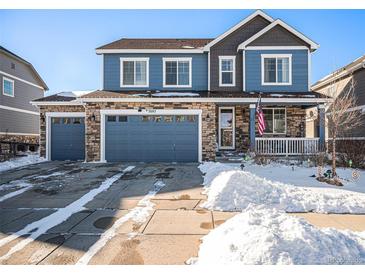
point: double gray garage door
(152, 138)
(148, 138)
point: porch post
(322, 131)
(252, 127)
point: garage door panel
(149, 138)
(68, 139)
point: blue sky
(61, 43)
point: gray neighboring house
(20, 83)
(341, 78)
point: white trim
(237, 26)
(347, 138)
(284, 25)
(227, 57)
(49, 116)
(176, 59)
(276, 56)
(273, 121)
(19, 110)
(102, 72)
(134, 59)
(361, 107)
(106, 51)
(22, 80)
(209, 71)
(330, 78)
(243, 70)
(309, 69)
(252, 106)
(104, 112)
(20, 134)
(56, 103)
(276, 48)
(207, 100)
(12, 83)
(233, 128)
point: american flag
(260, 117)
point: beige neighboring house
(339, 80)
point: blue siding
(299, 71)
(112, 71)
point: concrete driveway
(169, 235)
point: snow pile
(21, 161)
(261, 235)
(230, 189)
(139, 214)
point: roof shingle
(179, 43)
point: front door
(226, 128)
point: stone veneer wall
(21, 139)
(93, 127)
(42, 123)
(295, 124)
(295, 116)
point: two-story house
(351, 76)
(184, 100)
(19, 84)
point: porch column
(322, 125)
(252, 127)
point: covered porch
(285, 133)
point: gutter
(339, 75)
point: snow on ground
(231, 189)
(139, 214)
(21, 161)
(17, 187)
(260, 235)
(180, 94)
(41, 226)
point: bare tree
(341, 115)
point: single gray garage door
(152, 138)
(68, 138)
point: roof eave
(313, 45)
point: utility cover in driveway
(68, 138)
(152, 138)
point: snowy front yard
(278, 186)
(263, 233)
(21, 161)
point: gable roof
(313, 45)
(237, 26)
(40, 80)
(344, 71)
(188, 44)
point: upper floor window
(8, 87)
(227, 75)
(276, 69)
(275, 120)
(134, 72)
(177, 72)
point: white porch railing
(286, 146)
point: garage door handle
(173, 147)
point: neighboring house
(186, 100)
(19, 84)
(337, 82)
